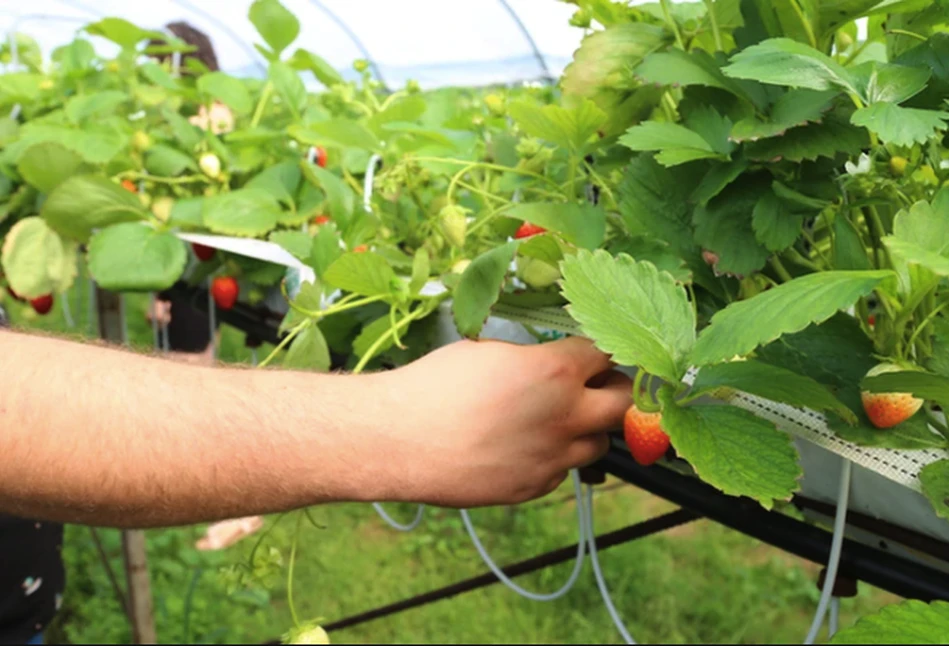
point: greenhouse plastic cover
(437, 43)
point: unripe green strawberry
(210, 165)
(162, 207)
(460, 266)
(644, 436)
(307, 634)
(141, 141)
(454, 221)
(495, 104)
(887, 410)
(537, 273)
(898, 165)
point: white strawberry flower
(861, 167)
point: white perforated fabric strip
(899, 466)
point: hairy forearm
(108, 437)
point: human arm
(103, 436)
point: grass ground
(700, 583)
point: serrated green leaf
(675, 144)
(570, 128)
(782, 61)
(296, 242)
(921, 237)
(188, 213)
(280, 180)
(677, 68)
(47, 165)
(86, 202)
(339, 196)
(657, 252)
(408, 109)
(342, 133)
(370, 335)
(773, 383)
(775, 226)
(742, 326)
(939, 361)
(724, 226)
(543, 247)
(121, 32)
(733, 450)
(187, 134)
(794, 108)
(96, 145)
(226, 89)
(896, 83)
(581, 224)
(135, 257)
(717, 179)
(895, 124)
(810, 142)
(934, 478)
(920, 384)
(849, 251)
(324, 72)
(367, 274)
(166, 161)
(276, 25)
(912, 435)
(631, 311)
(84, 106)
(309, 351)
(479, 289)
(35, 260)
(247, 213)
(157, 75)
(908, 622)
(289, 86)
(325, 250)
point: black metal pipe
(606, 541)
(887, 571)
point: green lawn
(698, 583)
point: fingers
(603, 409)
(587, 450)
(581, 354)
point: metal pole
(111, 317)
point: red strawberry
(225, 291)
(527, 230)
(321, 219)
(129, 185)
(886, 410)
(43, 304)
(321, 157)
(360, 248)
(872, 320)
(203, 253)
(646, 440)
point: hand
(493, 423)
(160, 310)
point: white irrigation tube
(527, 594)
(840, 520)
(598, 573)
(834, 618)
(394, 524)
(367, 183)
(67, 314)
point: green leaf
(742, 326)
(717, 179)
(367, 274)
(247, 213)
(570, 128)
(675, 144)
(296, 242)
(775, 226)
(773, 383)
(901, 126)
(323, 71)
(188, 213)
(733, 450)
(939, 362)
(370, 335)
(325, 250)
(912, 435)
(280, 180)
(657, 252)
(96, 145)
(794, 108)
(339, 196)
(289, 86)
(121, 32)
(84, 106)
(35, 260)
(421, 269)
(479, 289)
(157, 75)
(934, 478)
(276, 25)
(581, 224)
(782, 61)
(677, 68)
(226, 89)
(86, 202)
(920, 384)
(335, 132)
(896, 83)
(631, 311)
(725, 227)
(135, 257)
(849, 252)
(908, 622)
(810, 142)
(187, 134)
(166, 161)
(47, 165)
(309, 351)
(921, 237)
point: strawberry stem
(293, 561)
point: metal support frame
(356, 41)
(254, 56)
(548, 77)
